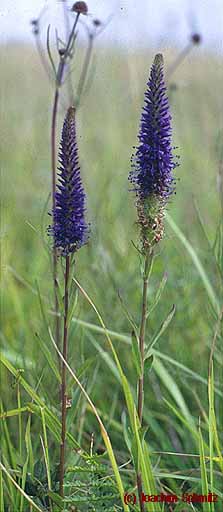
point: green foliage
(173, 454)
(90, 487)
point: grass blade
(102, 428)
(160, 331)
(207, 284)
(204, 480)
(22, 492)
(173, 389)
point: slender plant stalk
(60, 73)
(180, 58)
(84, 71)
(147, 266)
(42, 57)
(142, 332)
(53, 159)
(67, 29)
(63, 387)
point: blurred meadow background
(108, 267)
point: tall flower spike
(69, 228)
(153, 161)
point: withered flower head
(196, 38)
(80, 8)
(97, 22)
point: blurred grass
(107, 129)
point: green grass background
(107, 126)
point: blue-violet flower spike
(69, 228)
(153, 162)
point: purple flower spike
(153, 162)
(69, 228)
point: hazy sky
(133, 22)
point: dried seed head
(35, 24)
(196, 38)
(62, 51)
(80, 8)
(97, 23)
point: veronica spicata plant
(153, 162)
(69, 228)
(153, 183)
(70, 233)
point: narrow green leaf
(19, 488)
(161, 330)
(213, 431)
(2, 507)
(158, 295)
(124, 338)
(105, 357)
(148, 363)
(59, 295)
(127, 313)
(148, 465)
(211, 421)
(73, 304)
(187, 423)
(49, 357)
(146, 470)
(126, 432)
(51, 420)
(8, 443)
(13, 412)
(19, 419)
(204, 480)
(104, 433)
(173, 389)
(56, 499)
(203, 274)
(136, 356)
(25, 466)
(46, 450)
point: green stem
(63, 386)
(147, 267)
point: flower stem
(53, 159)
(59, 79)
(146, 272)
(84, 70)
(63, 387)
(147, 266)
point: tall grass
(183, 394)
